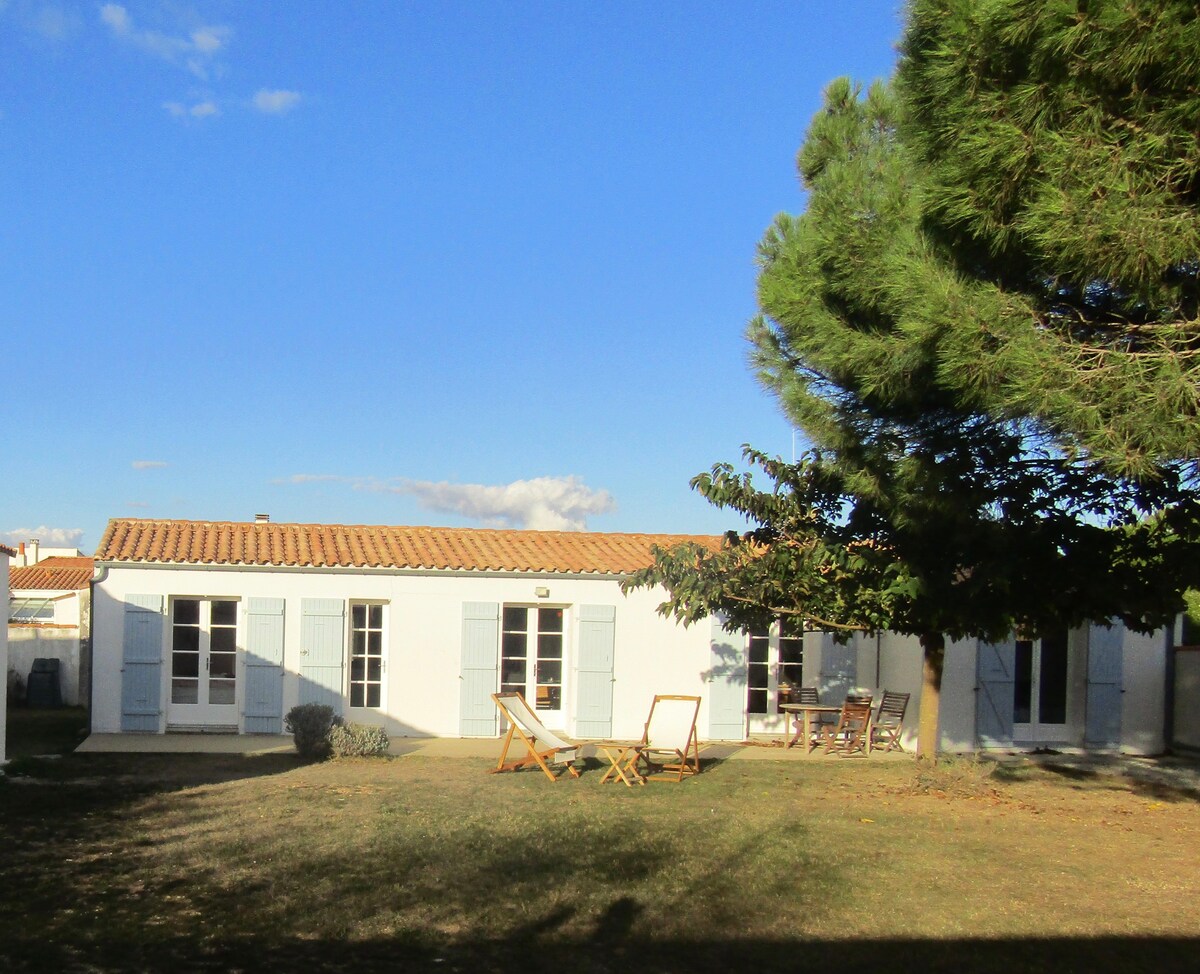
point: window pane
(757, 702)
(375, 644)
(187, 611)
(550, 620)
(222, 665)
(358, 616)
(758, 674)
(185, 664)
(357, 695)
(549, 671)
(549, 698)
(1052, 689)
(184, 691)
(357, 669)
(791, 651)
(358, 643)
(220, 691)
(373, 695)
(374, 670)
(1023, 683)
(185, 639)
(223, 640)
(550, 646)
(512, 671)
(516, 618)
(375, 619)
(224, 613)
(759, 648)
(514, 644)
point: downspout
(1169, 688)
(99, 574)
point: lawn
(221, 863)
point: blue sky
(394, 263)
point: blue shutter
(727, 677)
(1106, 652)
(141, 663)
(322, 643)
(477, 716)
(264, 666)
(994, 669)
(594, 670)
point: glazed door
(203, 662)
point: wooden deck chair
(852, 732)
(669, 742)
(889, 722)
(542, 746)
(809, 697)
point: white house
(49, 617)
(226, 626)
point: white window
(776, 658)
(531, 656)
(204, 652)
(366, 654)
(32, 609)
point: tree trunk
(934, 646)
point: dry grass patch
(191, 862)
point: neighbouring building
(224, 626)
(6, 553)
(49, 616)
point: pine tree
(985, 324)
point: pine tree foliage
(985, 322)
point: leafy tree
(985, 323)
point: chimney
(20, 555)
(33, 551)
(262, 518)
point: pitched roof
(364, 546)
(53, 573)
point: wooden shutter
(1105, 660)
(141, 663)
(594, 670)
(994, 669)
(322, 651)
(727, 675)
(264, 666)
(479, 675)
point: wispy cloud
(55, 537)
(276, 102)
(194, 51)
(148, 464)
(316, 478)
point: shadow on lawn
(550, 946)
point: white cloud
(276, 102)
(148, 464)
(541, 504)
(314, 478)
(192, 51)
(204, 109)
(52, 537)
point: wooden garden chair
(852, 733)
(669, 742)
(889, 722)
(541, 745)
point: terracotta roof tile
(366, 546)
(56, 573)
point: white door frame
(204, 661)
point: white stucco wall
(1143, 703)
(4, 658)
(59, 640)
(423, 637)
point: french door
(1040, 689)
(203, 662)
(531, 658)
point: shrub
(357, 740)
(309, 725)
